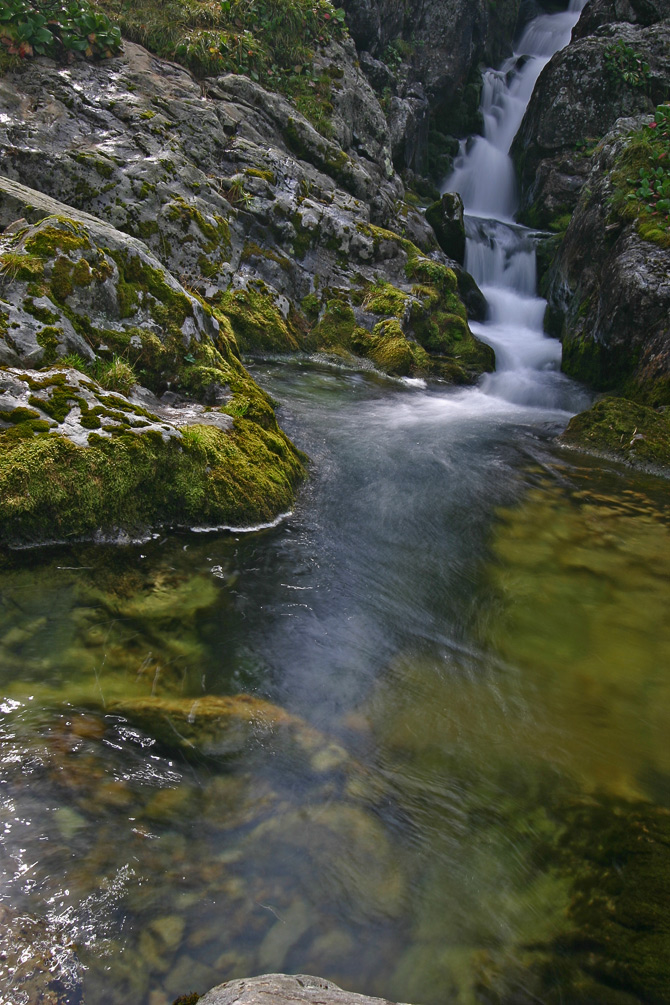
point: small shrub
(61, 29)
(623, 63)
(645, 196)
(118, 376)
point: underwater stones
(623, 430)
(284, 990)
(221, 727)
(446, 219)
(37, 963)
(347, 847)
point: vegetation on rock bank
(624, 430)
(271, 41)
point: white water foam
(500, 253)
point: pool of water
(379, 742)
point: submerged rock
(220, 727)
(37, 965)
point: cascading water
(500, 254)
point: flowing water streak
(500, 254)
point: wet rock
(624, 431)
(232, 190)
(446, 219)
(608, 287)
(80, 461)
(283, 990)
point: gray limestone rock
(281, 989)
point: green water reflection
(488, 825)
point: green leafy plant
(642, 182)
(653, 183)
(623, 63)
(61, 29)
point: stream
(453, 656)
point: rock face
(609, 289)
(276, 225)
(423, 59)
(148, 416)
(586, 87)
(284, 990)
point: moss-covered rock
(446, 218)
(81, 461)
(623, 430)
(217, 727)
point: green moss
(19, 415)
(311, 305)
(51, 488)
(104, 167)
(216, 230)
(383, 298)
(58, 404)
(48, 338)
(90, 421)
(252, 250)
(337, 326)
(62, 285)
(624, 430)
(60, 235)
(267, 176)
(257, 322)
(604, 368)
(391, 351)
(42, 314)
(82, 274)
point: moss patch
(623, 430)
(257, 322)
(50, 488)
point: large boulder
(144, 415)
(281, 989)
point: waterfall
(500, 253)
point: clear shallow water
(453, 667)
(468, 626)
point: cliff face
(617, 65)
(423, 57)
